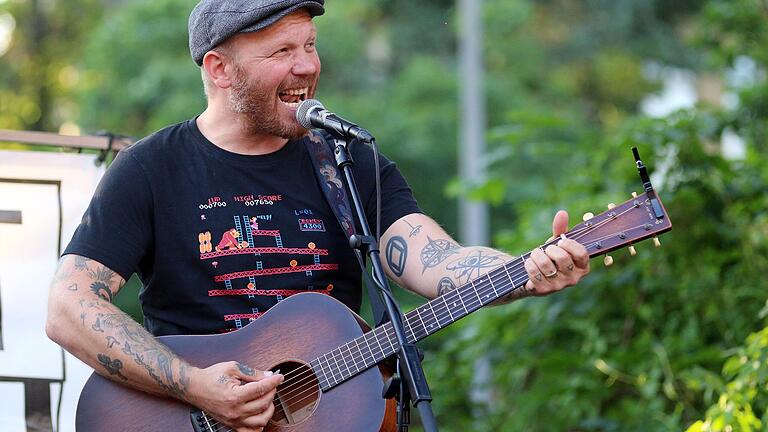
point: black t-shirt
(217, 238)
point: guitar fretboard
(369, 349)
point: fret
(431, 309)
(360, 349)
(461, 299)
(445, 302)
(509, 276)
(346, 366)
(474, 289)
(418, 312)
(376, 337)
(408, 326)
(455, 303)
(330, 368)
(496, 293)
(352, 358)
(386, 333)
(318, 370)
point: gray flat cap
(214, 21)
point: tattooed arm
(420, 256)
(83, 320)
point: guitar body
(296, 330)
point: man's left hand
(558, 266)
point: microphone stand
(409, 364)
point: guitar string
(289, 382)
(574, 234)
(301, 385)
(390, 334)
(515, 286)
(289, 378)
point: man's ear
(215, 66)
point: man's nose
(306, 64)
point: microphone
(312, 113)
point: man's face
(274, 69)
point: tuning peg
(611, 206)
(608, 260)
(656, 242)
(634, 194)
(587, 216)
(632, 251)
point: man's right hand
(235, 394)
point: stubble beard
(257, 109)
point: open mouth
(293, 97)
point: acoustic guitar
(333, 363)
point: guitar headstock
(633, 221)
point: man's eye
(281, 51)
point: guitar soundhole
(298, 395)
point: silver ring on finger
(551, 275)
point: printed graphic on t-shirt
(256, 234)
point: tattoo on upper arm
(445, 285)
(471, 266)
(415, 230)
(397, 253)
(101, 285)
(81, 263)
(437, 251)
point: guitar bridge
(201, 422)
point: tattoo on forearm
(112, 366)
(245, 369)
(472, 265)
(415, 230)
(112, 341)
(97, 325)
(156, 359)
(437, 251)
(397, 254)
(445, 285)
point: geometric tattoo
(437, 251)
(397, 253)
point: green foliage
(139, 76)
(655, 342)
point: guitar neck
(371, 348)
(635, 220)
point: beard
(257, 107)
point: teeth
(295, 92)
(291, 104)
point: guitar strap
(319, 145)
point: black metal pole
(409, 362)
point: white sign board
(42, 198)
